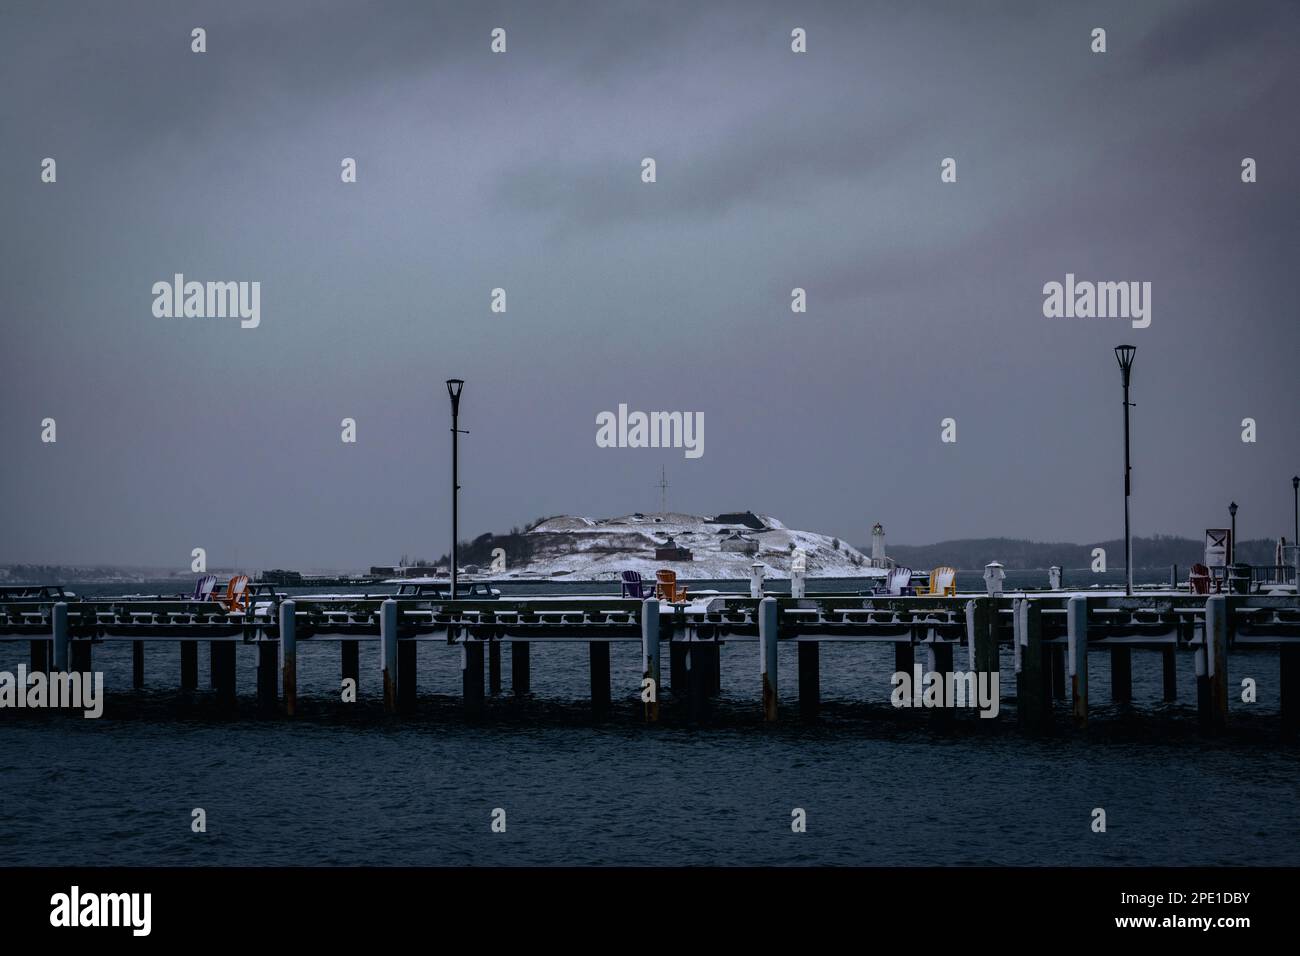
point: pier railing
(1049, 635)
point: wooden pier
(1050, 635)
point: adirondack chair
(1199, 579)
(667, 587)
(633, 586)
(203, 588)
(943, 582)
(900, 582)
(236, 596)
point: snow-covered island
(697, 547)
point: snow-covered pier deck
(1049, 634)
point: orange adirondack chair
(236, 596)
(667, 587)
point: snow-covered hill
(587, 549)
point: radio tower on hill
(662, 485)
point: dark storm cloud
(522, 171)
(1197, 33)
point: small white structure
(1054, 578)
(756, 579)
(878, 557)
(798, 569)
(993, 576)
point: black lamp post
(1124, 354)
(1232, 539)
(454, 386)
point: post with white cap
(982, 642)
(289, 657)
(1076, 619)
(1216, 658)
(650, 658)
(768, 623)
(1032, 699)
(798, 572)
(388, 653)
(59, 634)
(756, 580)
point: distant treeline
(516, 544)
(971, 554)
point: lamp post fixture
(1232, 538)
(454, 386)
(1124, 355)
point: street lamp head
(1295, 482)
(1232, 509)
(454, 385)
(1124, 355)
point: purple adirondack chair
(203, 588)
(633, 586)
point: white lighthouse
(878, 559)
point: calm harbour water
(345, 785)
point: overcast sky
(523, 171)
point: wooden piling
(1121, 676)
(1058, 670)
(903, 658)
(1216, 658)
(289, 656)
(650, 658)
(1289, 681)
(521, 668)
(268, 677)
(1204, 705)
(599, 657)
(1033, 702)
(137, 665)
(677, 667)
(59, 635)
(938, 660)
(809, 679)
(1169, 673)
(699, 680)
(1077, 654)
(222, 660)
(768, 625)
(494, 668)
(189, 665)
(705, 666)
(388, 653)
(982, 646)
(471, 677)
(352, 662)
(982, 638)
(406, 676)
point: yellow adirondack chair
(943, 582)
